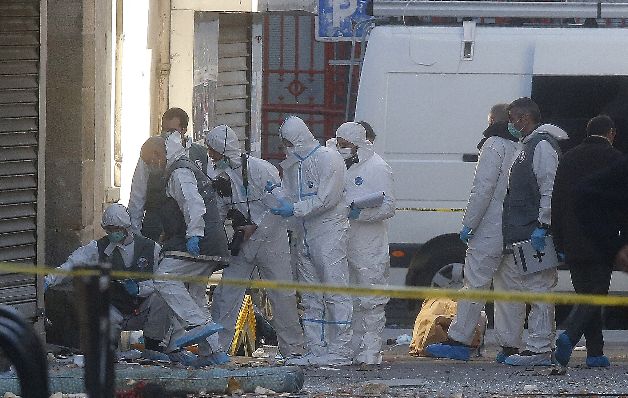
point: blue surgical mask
(515, 132)
(222, 164)
(116, 237)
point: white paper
(369, 201)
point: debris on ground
(234, 387)
(260, 353)
(374, 389)
(264, 391)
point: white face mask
(346, 153)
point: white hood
(550, 129)
(296, 131)
(356, 134)
(116, 215)
(224, 140)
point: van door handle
(469, 157)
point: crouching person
(135, 304)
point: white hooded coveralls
(313, 177)
(367, 252)
(510, 316)
(154, 317)
(484, 253)
(267, 249)
(190, 306)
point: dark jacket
(592, 155)
(601, 202)
(497, 129)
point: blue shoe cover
(183, 357)
(542, 359)
(598, 362)
(440, 350)
(217, 358)
(197, 334)
(564, 349)
(501, 357)
(155, 356)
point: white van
(427, 90)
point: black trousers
(588, 278)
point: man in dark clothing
(147, 193)
(602, 208)
(590, 270)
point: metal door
(301, 77)
(19, 146)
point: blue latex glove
(354, 213)
(465, 234)
(286, 209)
(270, 186)
(192, 245)
(561, 256)
(46, 285)
(538, 239)
(132, 287)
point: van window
(570, 101)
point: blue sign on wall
(337, 18)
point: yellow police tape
(432, 209)
(401, 292)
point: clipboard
(531, 261)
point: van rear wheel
(438, 263)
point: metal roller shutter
(234, 65)
(19, 132)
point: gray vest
(214, 241)
(523, 198)
(143, 261)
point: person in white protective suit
(368, 175)
(135, 303)
(482, 231)
(147, 192)
(264, 242)
(313, 182)
(191, 224)
(527, 216)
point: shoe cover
(217, 358)
(598, 362)
(544, 359)
(197, 334)
(440, 350)
(502, 355)
(183, 357)
(564, 348)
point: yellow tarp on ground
(432, 323)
